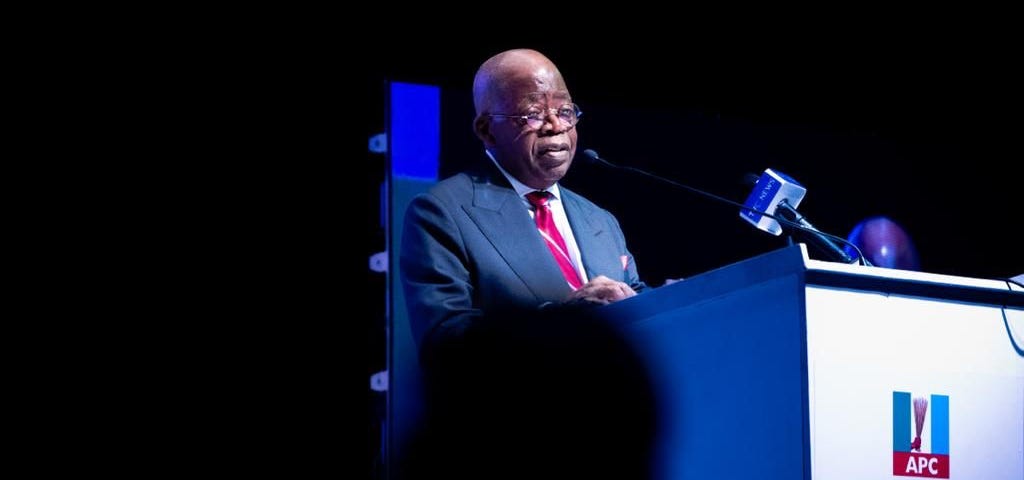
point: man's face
(539, 156)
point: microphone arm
(813, 235)
(795, 221)
(592, 158)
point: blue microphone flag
(771, 188)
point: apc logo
(911, 435)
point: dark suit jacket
(469, 248)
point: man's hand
(602, 290)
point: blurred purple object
(884, 243)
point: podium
(785, 367)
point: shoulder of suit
(460, 186)
(450, 188)
(458, 181)
(571, 196)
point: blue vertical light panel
(415, 131)
(414, 153)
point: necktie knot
(538, 198)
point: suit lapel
(594, 241)
(503, 219)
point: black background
(922, 128)
(919, 130)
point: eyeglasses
(569, 114)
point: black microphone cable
(593, 158)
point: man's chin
(552, 165)
(557, 168)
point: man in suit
(499, 264)
(471, 245)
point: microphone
(777, 198)
(771, 189)
(592, 158)
(778, 193)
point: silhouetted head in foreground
(885, 244)
(548, 393)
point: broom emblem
(920, 408)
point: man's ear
(482, 128)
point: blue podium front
(786, 367)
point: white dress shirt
(557, 210)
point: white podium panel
(863, 348)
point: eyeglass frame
(542, 116)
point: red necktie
(553, 239)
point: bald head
(511, 71)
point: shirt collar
(521, 188)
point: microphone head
(749, 180)
(769, 190)
(591, 157)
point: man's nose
(553, 124)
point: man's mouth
(558, 151)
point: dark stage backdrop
(925, 137)
(923, 132)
